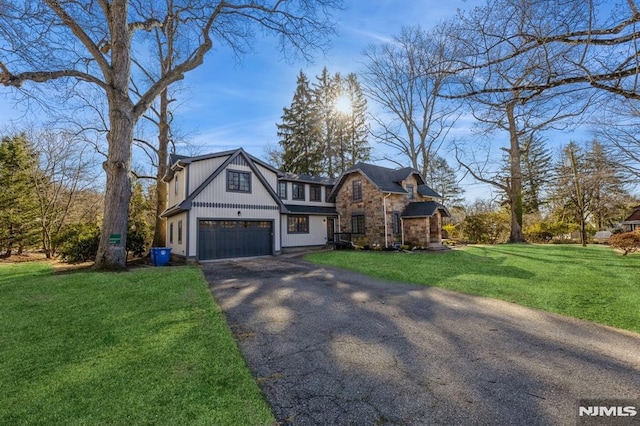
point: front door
(330, 229)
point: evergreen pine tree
(18, 200)
(326, 92)
(299, 132)
(537, 172)
(442, 178)
(356, 130)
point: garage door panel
(220, 239)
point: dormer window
(315, 193)
(282, 190)
(175, 188)
(297, 191)
(410, 191)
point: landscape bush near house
(487, 227)
(79, 242)
(627, 242)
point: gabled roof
(424, 209)
(426, 191)
(319, 180)
(186, 204)
(177, 161)
(386, 179)
(634, 217)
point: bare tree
(574, 188)
(485, 36)
(603, 35)
(93, 43)
(618, 127)
(403, 77)
(66, 169)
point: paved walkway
(330, 347)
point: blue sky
(227, 104)
(233, 104)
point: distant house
(382, 206)
(632, 223)
(230, 204)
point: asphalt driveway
(332, 347)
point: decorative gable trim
(238, 157)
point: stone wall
(371, 206)
(416, 231)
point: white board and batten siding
(199, 171)
(317, 235)
(177, 234)
(215, 202)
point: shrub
(136, 242)
(451, 232)
(487, 228)
(628, 242)
(79, 242)
(537, 232)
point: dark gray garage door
(220, 239)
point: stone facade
(372, 207)
(424, 231)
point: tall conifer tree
(326, 91)
(299, 132)
(356, 130)
(18, 200)
(441, 177)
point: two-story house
(231, 204)
(382, 206)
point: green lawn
(592, 283)
(141, 347)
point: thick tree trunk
(515, 182)
(160, 232)
(112, 254)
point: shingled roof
(386, 179)
(320, 180)
(424, 209)
(634, 217)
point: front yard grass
(593, 283)
(147, 346)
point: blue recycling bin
(160, 255)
